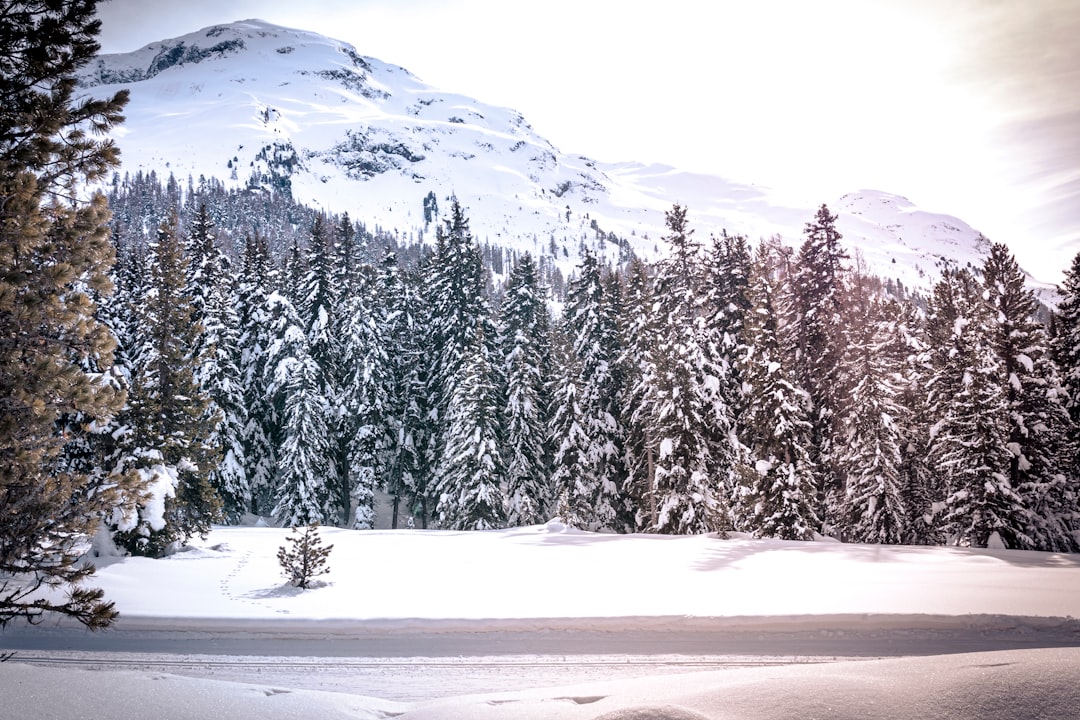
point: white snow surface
(553, 578)
(368, 137)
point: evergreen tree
(872, 510)
(306, 489)
(969, 441)
(588, 467)
(54, 251)
(402, 339)
(169, 423)
(1039, 424)
(318, 306)
(458, 316)
(818, 310)
(774, 496)
(209, 285)
(639, 368)
(1066, 341)
(727, 289)
(306, 559)
(907, 353)
(367, 421)
(691, 418)
(526, 354)
(255, 338)
(471, 472)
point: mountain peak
(262, 106)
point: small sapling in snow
(306, 559)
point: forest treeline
(727, 386)
(156, 377)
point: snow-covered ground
(573, 593)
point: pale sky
(966, 107)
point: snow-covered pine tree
(402, 335)
(526, 356)
(818, 284)
(872, 509)
(167, 410)
(691, 418)
(969, 440)
(254, 319)
(366, 417)
(1039, 424)
(773, 498)
(458, 314)
(210, 287)
(318, 306)
(471, 471)
(588, 467)
(727, 288)
(638, 365)
(1066, 340)
(307, 491)
(906, 348)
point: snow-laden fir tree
(458, 315)
(872, 509)
(969, 440)
(1066, 340)
(774, 496)
(818, 284)
(366, 419)
(692, 423)
(526, 355)
(586, 435)
(471, 473)
(255, 330)
(638, 364)
(210, 286)
(907, 352)
(402, 337)
(169, 425)
(317, 305)
(1039, 424)
(727, 289)
(306, 483)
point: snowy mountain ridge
(259, 105)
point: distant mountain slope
(260, 105)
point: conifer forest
(174, 354)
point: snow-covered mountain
(256, 104)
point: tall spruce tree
(872, 509)
(54, 251)
(774, 497)
(169, 424)
(818, 285)
(305, 487)
(401, 336)
(458, 317)
(969, 441)
(255, 338)
(692, 420)
(639, 368)
(472, 474)
(526, 357)
(210, 286)
(1039, 424)
(588, 466)
(1066, 340)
